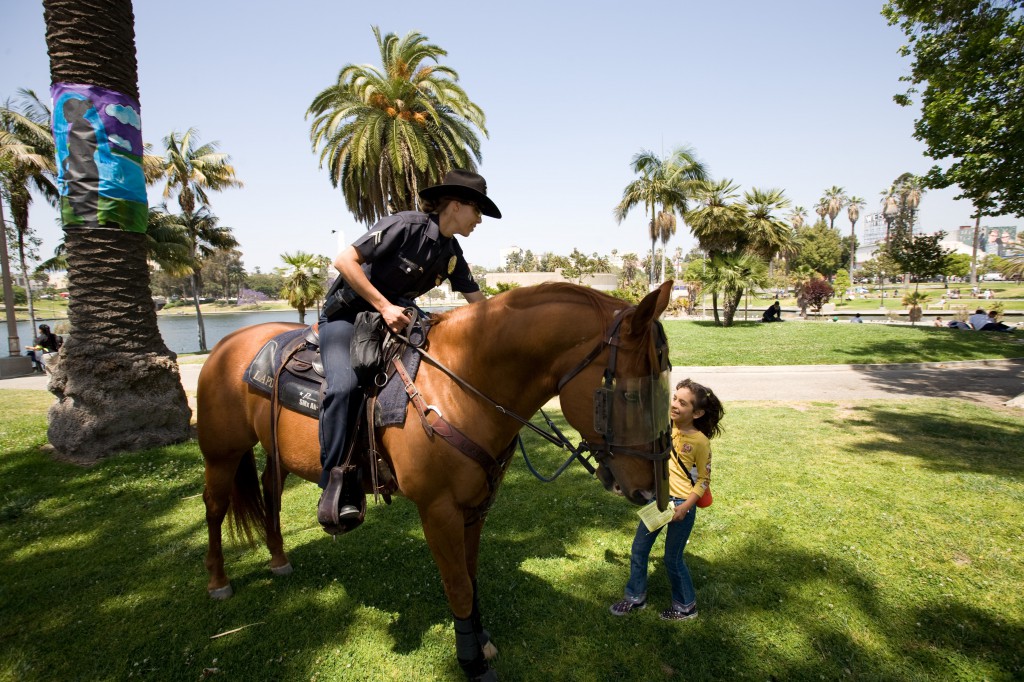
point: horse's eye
(631, 396)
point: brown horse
(520, 349)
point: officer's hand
(395, 318)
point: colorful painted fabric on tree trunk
(98, 135)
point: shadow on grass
(108, 562)
(947, 439)
(936, 345)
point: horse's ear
(651, 307)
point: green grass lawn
(868, 540)
(702, 343)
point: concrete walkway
(992, 382)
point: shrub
(817, 293)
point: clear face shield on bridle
(634, 413)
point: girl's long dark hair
(705, 399)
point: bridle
(606, 397)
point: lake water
(181, 333)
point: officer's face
(467, 218)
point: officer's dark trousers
(335, 337)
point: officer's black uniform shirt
(405, 255)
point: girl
(696, 413)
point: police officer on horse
(402, 257)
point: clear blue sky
(795, 94)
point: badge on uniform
(451, 264)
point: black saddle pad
(295, 393)
(302, 395)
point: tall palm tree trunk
(13, 346)
(117, 385)
(19, 216)
(853, 246)
(28, 281)
(194, 279)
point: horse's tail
(247, 511)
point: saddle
(290, 363)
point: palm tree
(166, 245)
(670, 182)
(117, 385)
(385, 133)
(910, 188)
(303, 281)
(821, 208)
(665, 225)
(732, 274)
(27, 143)
(205, 237)
(890, 208)
(834, 199)
(630, 270)
(191, 169)
(797, 217)
(716, 222)
(717, 219)
(765, 233)
(853, 209)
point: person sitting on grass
(856, 319)
(978, 320)
(773, 313)
(696, 413)
(46, 343)
(938, 322)
(993, 325)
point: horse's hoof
(490, 651)
(221, 593)
(282, 570)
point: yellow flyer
(653, 518)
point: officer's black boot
(341, 502)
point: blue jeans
(683, 594)
(341, 382)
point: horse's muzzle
(608, 481)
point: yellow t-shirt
(694, 449)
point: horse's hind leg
(220, 478)
(279, 564)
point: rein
(582, 452)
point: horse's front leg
(443, 526)
(472, 541)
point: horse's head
(617, 397)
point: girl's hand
(680, 511)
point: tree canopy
(386, 133)
(968, 72)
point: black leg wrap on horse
(478, 627)
(469, 651)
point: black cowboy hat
(464, 184)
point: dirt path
(992, 382)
